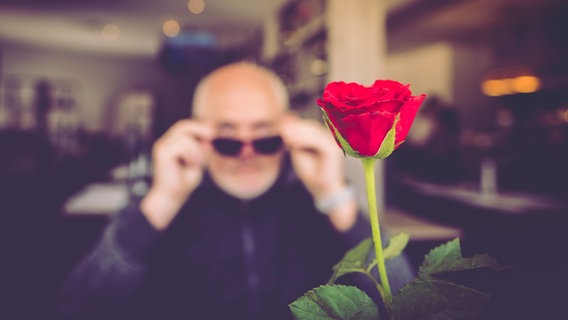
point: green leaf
(334, 302)
(447, 258)
(439, 257)
(427, 299)
(396, 245)
(355, 260)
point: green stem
(369, 169)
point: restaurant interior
(86, 87)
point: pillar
(356, 40)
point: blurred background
(86, 87)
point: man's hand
(315, 156)
(319, 163)
(178, 162)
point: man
(230, 228)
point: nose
(247, 151)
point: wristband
(327, 204)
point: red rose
(369, 121)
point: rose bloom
(369, 121)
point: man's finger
(308, 136)
(202, 131)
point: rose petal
(392, 106)
(364, 132)
(386, 89)
(345, 96)
(403, 93)
(407, 115)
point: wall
(99, 78)
(428, 69)
(471, 63)
(451, 71)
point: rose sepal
(385, 150)
(388, 144)
(345, 146)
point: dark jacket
(221, 258)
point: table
(100, 198)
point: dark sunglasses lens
(227, 147)
(267, 145)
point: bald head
(232, 80)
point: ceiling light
(525, 84)
(496, 87)
(110, 32)
(196, 6)
(171, 28)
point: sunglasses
(233, 147)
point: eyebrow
(256, 125)
(225, 126)
(263, 124)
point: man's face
(244, 113)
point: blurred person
(248, 209)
